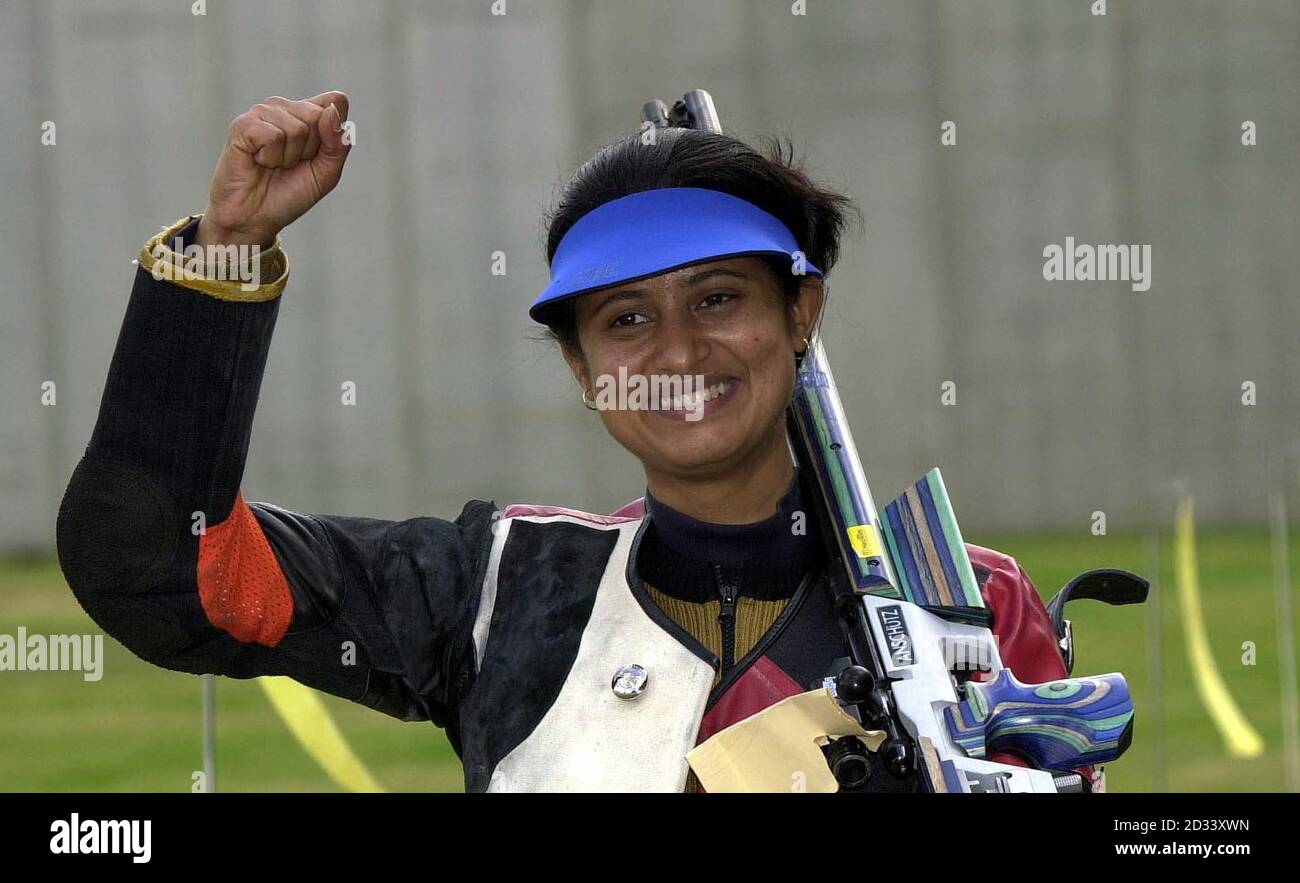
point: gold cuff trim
(158, 259)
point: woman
(561, 650)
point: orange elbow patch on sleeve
(241, 585)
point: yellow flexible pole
(1239, 736)
(314, 728)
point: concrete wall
(1071, 397)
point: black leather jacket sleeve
(160, 548)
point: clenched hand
(281, 158)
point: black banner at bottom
(300, 832)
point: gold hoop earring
(806, 345)
(589, 404)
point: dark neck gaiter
(682, 556)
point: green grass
(1238, 601)
(138, 729)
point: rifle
(916, 626)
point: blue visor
(655, 231)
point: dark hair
(773, 180)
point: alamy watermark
(234, 263)
(24, 652)
(687, 393)
(1098, 263)
(78, 836)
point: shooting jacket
(508, 627)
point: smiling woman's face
(725, 320)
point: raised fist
(281, 158)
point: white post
(1285, 642)
(1155, 661)
(210, 733)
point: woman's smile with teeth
(694, 405)
(695, 399)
